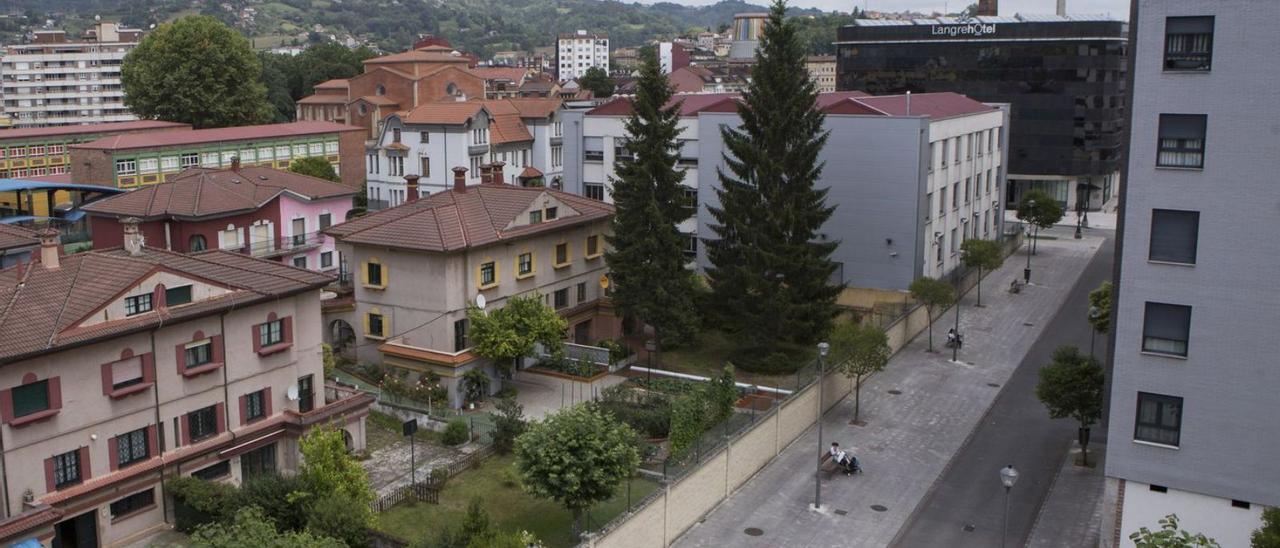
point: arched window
(364, 109)
(196, 243)
(451, 89)
(380, 90)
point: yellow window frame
(497, 274)
(533, 265)
(368, 333)
(586, 247)
(364, 273)
(568, 255)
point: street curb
(1048, 493)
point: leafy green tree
(770, 273)
(722, 394)
(277, 68)
(271, 493)
(598, 81)
(334, 516)
(646, 250)
(1100, 298)
(576, 456)
(1170, 536)
(983, 255)
(195, 70)
(858, 351)
(475, 385)
(251, 528)
(688, 422)
(508, 424)
(1044, 214)
(1071, 387)
(328, 469)
(932, 294)
(314, 166)
(511, 332)
(1268, 536)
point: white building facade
(579, 51)
(56, 82)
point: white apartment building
(433, 138)
(579, 51)
(53, 81)
(911, 178)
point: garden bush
(780, 361)
(200, 502)
(455, 433)
(508, 423)
(475, 385)
(332, 516)
(270, 492)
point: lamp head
(1008, 476)
(823, 348)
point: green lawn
(707, 355)
(509, 507)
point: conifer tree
(646, 255)
(769, 273)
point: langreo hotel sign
(968, 29)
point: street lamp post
(955, 345)
(1026, 273)
(1008, 477)
(1094, 313)
(817, 473)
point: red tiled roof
(932, 105)
(453, 221)
(336, 83)
(536, 107)
(444, 112)
(826, 99)
(514, 74)
(320, 99)
(12, 236)
(530, 173)
(508, 128)
(199, 136)
(136, 125)
(28, 520)
(380, 100)
(201, 192)
(40, 308)
(425, 55)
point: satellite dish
(604, 282)
(292, 393)
(480, 302)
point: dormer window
(175, 296)
(551, 213)
(137, 304)
(395, 135)
(535, 217)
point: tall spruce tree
(769, 273)
(646, 255)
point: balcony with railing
(283, 245)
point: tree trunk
(577, 524)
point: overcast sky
(1116, 8)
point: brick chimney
(496, 176)
(49, 248)
(133, 238)
(459, 179)
(486, 174)
(411, 188)
(235, 164)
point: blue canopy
(14, 185)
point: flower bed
(571, 368)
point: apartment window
(271, 333)
(955, 148)
(946, 146)
(395, 166)
(955, 196)
(1182, 140)
(593, 245)
(954, 241)
(315, 149)
(126, 167)
(966, 189)
(1188, 43)
(258, 462)
(30, 398)
(524, 264)
(561, 298)
(1174, 235)
(562, 254)
(932, 154)
(376, 328)
(582, 292)
(209, 473)
(326, 259)
(326, 220)
(426, 167)
(373, 274)
(133, 503)
(535, 216)
(66, 469)
(424, 137)
(202, 423)
(488, 274)
(137, 304)
(460, 335)
(174, 296)
(475, 166)
(132, 447)
(198, 353)
(1159, 419)
(395, 135)
(595, 191)
(1166, 328)
(942, 201)
(557, 156)
(620, 151)
(255, 405)
(300, 262)
(593, 149)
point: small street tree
(251, 528)
(314, 166)
(1071, 387)
(598, 81)
(985, 255)
(576, 456)
(932, 294)
(1267, 536)
(1171, 536)
(334, 478)
(511, 332)
(859, 351)
(646, 250)
(1100, 299)
(195, 70)
(1044, 214)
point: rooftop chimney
(486, 174)
(133, 239)
(459, 179)
(235, 164)
(49, 248)
(1062, 7)
(496, 176)
(411, 188)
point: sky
(1116, 8)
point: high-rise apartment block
(53, 81)
(579, 51)
(1193, 381)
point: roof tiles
(216, 135)
(200, 192)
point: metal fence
(423, 491)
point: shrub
(250, 527)
(475, 385)
(200, 502)
(439, 477)
(721, 395)
(510, 477)
(333, 515)
(508, 423)
(455, 433)
(270, 492)
(688, 420)
(768, 361)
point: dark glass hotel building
(1063, 77)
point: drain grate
(1028, 324)
(842, 512)
(994, 384)
(879, 508)
(895, 392)
(753, 531)
(968, 527)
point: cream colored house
(122, 367)
(417, 266)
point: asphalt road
(966, 505)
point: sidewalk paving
(910, 435)
(1071, 516)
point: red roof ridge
(57, 320)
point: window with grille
(126, 167)
(561, 298)
(271, 333)
(525, 264)
(255, 405)
(1159, 419)
(132, 447)
(203, 423)
(137, 304)
(1166, 328)
(1182, 139)
(1188, 43)
(488, 274)
(133, 503)
(66, 469)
